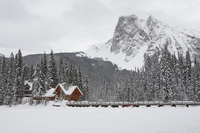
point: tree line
(167, 77)
(164, 77)
(45, 75)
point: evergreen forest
(164, 77)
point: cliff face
(130, 34)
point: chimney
(66, 86)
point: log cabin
(64, 91)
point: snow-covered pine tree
(143, 88)
(61, 71)
(116, 91)
(148, 76)
(165, 75)
(133, 84)
(120, 88)
(52, 71)
(37, 83)
(44, 73)
(5, 87)
(15, 90)
(127, 89)
(42, 76)
(180, 77)
(75, 78)
(65, 74)
(70, 73)
(11, 80)
(20, 78)
(168, 77)
(80, 82)
(184, 79)
(196, 80)
(138, 84)
(174, 77)
(26, 72)
(31, 72)
(189, 90)
(155, 78)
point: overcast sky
(75, 25)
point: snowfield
(49, 119)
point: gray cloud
(14, 10)
(88, 19)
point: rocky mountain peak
(134, 38)
(151, 20)
(132, 17)
(130, 31)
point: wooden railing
(132, 104)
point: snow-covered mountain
(135, 37)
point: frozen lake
(49, 119)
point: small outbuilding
(28, 85)
(64, 91)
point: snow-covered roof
(29, 83)
(50, 93)
(68, 89)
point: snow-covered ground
(49, 119)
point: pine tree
(148, 76)
(127, 90)
(20, 78)
(38, 90)
(143, 88)
(26, 72)
(31, 72)
(86, 89)
(10, 80)
(155, 78)
(133, 86)
(53, 71)
(75, 78)
(5, 87)
(184, 79)
(70, 73)
(18, 83)
(180, 76)
(43, 73)
(80, 82)
(189, 90)
(15, 89)
(193, 78)
(196, 82)
(166, 91)
(174, 78)
(61, 71)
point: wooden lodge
(64, 91)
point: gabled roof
(29, 83)
(50, 93)
(68, 89)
